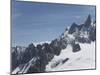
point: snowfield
(84, 59)
(36, 43)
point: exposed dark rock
(73, 28)
(35, 68)
(17, 56)
(76, 48)
(65, 60)
(14, 60)
(30, 52)
(88, 21)
(83, 40)
(55, 46)
(92, 34)
(80, 26)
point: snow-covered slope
(84, 59)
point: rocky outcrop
(76, 48)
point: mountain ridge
(76, 34)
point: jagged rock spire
(72, 28)
(88, 21)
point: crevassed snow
(84, 59)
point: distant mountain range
(35, 58)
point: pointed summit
(66, 29)
(88, 21)
(73, 28)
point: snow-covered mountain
(67, 60)
(74, 49)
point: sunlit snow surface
(84, 59)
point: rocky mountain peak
(88, 21)
(73, 28)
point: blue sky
(37, 22)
